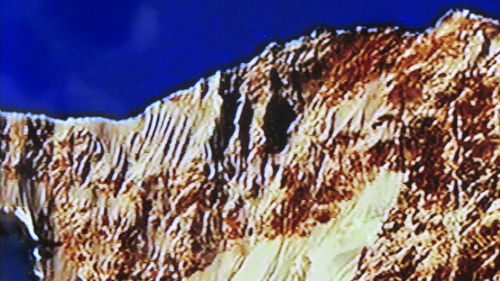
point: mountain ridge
(378, 132)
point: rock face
(366, 155)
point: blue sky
(111, 58)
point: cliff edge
(369, 154)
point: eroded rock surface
(363, 155)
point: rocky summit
(369, 154)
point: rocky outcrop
(361, 155)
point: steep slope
(366, 155)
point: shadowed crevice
(225, 127)
(245, 122)
(3, 139)
(278, 117)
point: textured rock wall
(363, 155)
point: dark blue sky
(111, 58)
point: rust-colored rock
(364, 155)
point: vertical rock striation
(363, 155)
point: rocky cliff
(369, 154)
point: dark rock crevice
(278, 117)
